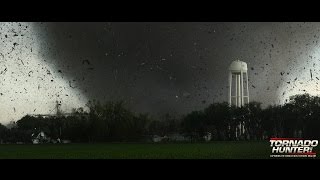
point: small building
(39, 138)
(208, 137)
(157, 138)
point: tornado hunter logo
(292, 147)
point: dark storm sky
(178, 67)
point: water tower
(238, 74)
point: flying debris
(86, 61)
(253, 86)
(4, 71)
(311, 74)
(281, 73)
(288, 82)
(21, 61)
(71, 84)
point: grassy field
(214, 150)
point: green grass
(214, 150)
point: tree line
(113, 122)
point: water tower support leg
(242, 100)
(230, 87)
(247, 87)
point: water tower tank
(238, 66)
(238, 83)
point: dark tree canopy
(113, 122)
